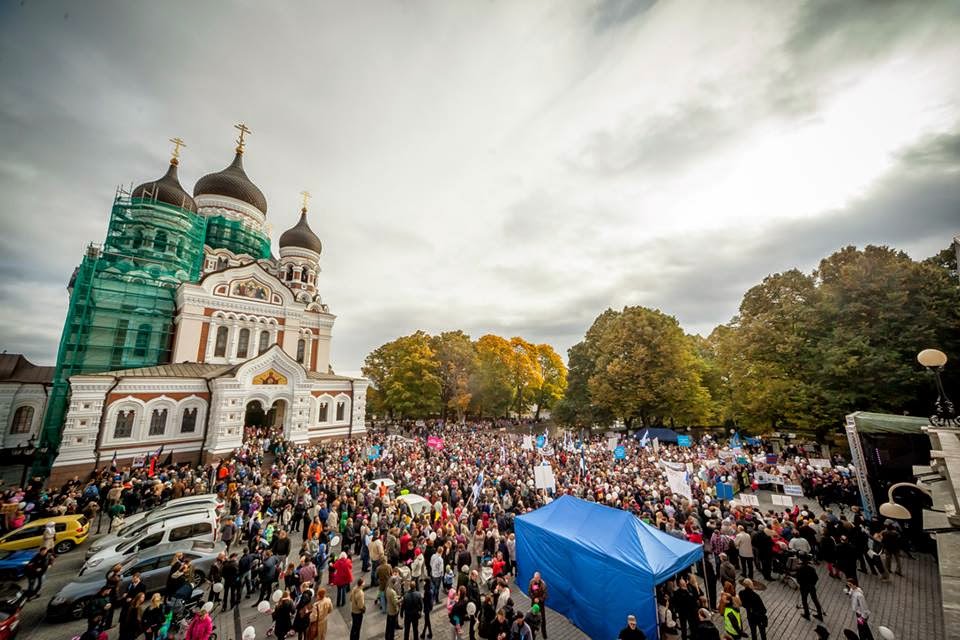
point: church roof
(166, 189)
(15, 368)
(234, 183)
(195, 370)
(177, 370)
(301, 235)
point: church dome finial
(167, 189)
(301, 235)
(233, 181)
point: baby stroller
(789, 563)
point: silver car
(131, 530)
(153, 565)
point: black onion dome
(232, 182)
(301, 235)
(167, 190)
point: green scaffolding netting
(223, 233)
(122, 299)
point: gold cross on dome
(306, 197)
(243, 129)
(177, 143)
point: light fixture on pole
(945, 415)
(891, 509)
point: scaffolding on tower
(123, 300)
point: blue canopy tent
(662, 434)
(600, 564)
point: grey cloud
(609, 14)
(660, 143)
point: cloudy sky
(508, 167)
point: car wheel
(198, 578)
(64, 546)
(76, 611)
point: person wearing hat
(630, 632)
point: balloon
(277, 595)
(249, 633)
(263, 607)
(218, 587)
(208, 606)
(471, 609)
(886, 634)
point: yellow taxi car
(71, 530)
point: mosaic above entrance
(270, 377)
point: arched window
(301, 350)
(264, 342)
(341, 407)
(160, 241)
(243, 344)
(188, 424)
(304, 275)
(22, 420)
(137, 241)
(289, 272)
(323, 417)
(220, 347)
(222, 262)
(143, 340)
(158, 422)
(124, 425)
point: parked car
(12, 597)
(153, 565)
(71, 531)
(374, 485)
(417, 504)
(200, 500)
(13, 564)
(202, 526)
(128, 531)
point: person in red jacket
(342, 577)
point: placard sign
(685, 441)
(752, 500)
(793, 490)
(783, 501)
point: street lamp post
(945, 414)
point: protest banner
(527, 443)
(543, 477)
(435, 442)
(749, 499)
(678, 483)
(793, 490)
(820, 463)
(783, 501)
(619, 453)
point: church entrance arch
(276, 416)
(255, 416)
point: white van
(417, 504)
(204, 499)
(192, 526)
(128, 531)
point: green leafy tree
(491, 384)
(646, 370)
(458, 361)
(406, 375)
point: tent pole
(656, 611)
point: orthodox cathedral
(182, 329)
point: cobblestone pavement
(909, 605)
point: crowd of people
(298, 517)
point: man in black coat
(763, 551)
(705, 630)
(807, 579)
(756, 610)
(410, 609)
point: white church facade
(183, 329)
